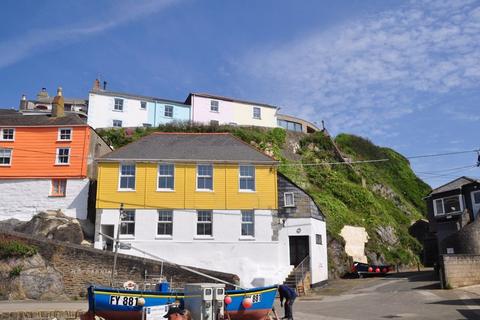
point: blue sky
(405, 74)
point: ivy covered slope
(384, 197)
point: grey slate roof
(134, 96)
(211, 96)
(221, 147)
(454, 185)
(17, 119)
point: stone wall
(82, 266)
(460, 270)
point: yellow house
(194, 199)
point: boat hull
(113, 304)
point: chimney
(104, 85)
(58, 105)
(23, 102)
(96, 85)
(42, 94)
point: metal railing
(301, 270)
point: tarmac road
(398, 296)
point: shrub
(15, 248)
(15, 272)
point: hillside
(384, 197)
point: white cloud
(363, 75)
(26, 45)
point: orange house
(46, 163)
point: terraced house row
(105, 109)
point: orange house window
(59, 187)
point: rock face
(387, 235)
(338, 261)
(54, 225)
(355, 239)
(30, 278)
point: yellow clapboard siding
(225, 194)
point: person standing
(289, 295)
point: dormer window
(7, 134)
(65, 134)
(213, 105)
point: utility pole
(117, 242)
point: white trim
(197, 176)
(460, 200)
(120, 176)
(7, 128)
(159, 176)
(285, 200)
(247, 177)
(59, 135)
(11, 157)
(57, 154)
(123, 104)
(164, 236)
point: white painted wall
(232, 112)
(101, 112)
(318, 252)
(21, 199)
(257, 261)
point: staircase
(296, 278)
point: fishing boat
(122, 304)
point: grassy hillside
(384, 197)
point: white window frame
(120, 176)
(118, 107)
(285, 204)
(10, 157)
(213, 107)
(240, 177)
(252, 223)
(59, 137)
(165, 176)
(205, 176)
(58, 182)
(198, 222)
(113, 123)
(165, 222)
(255, 116)
(2, 133)
(57, 156)
(165, 111)
(128, 222)
(460, 200)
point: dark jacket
(286, 292)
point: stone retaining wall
(460, 270)
(41, 315)
(82, 266)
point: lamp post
(117, 241)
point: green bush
(15, 248)
(15, 271)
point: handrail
(302, 268)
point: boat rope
(173, 263)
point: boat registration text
(123, 301)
